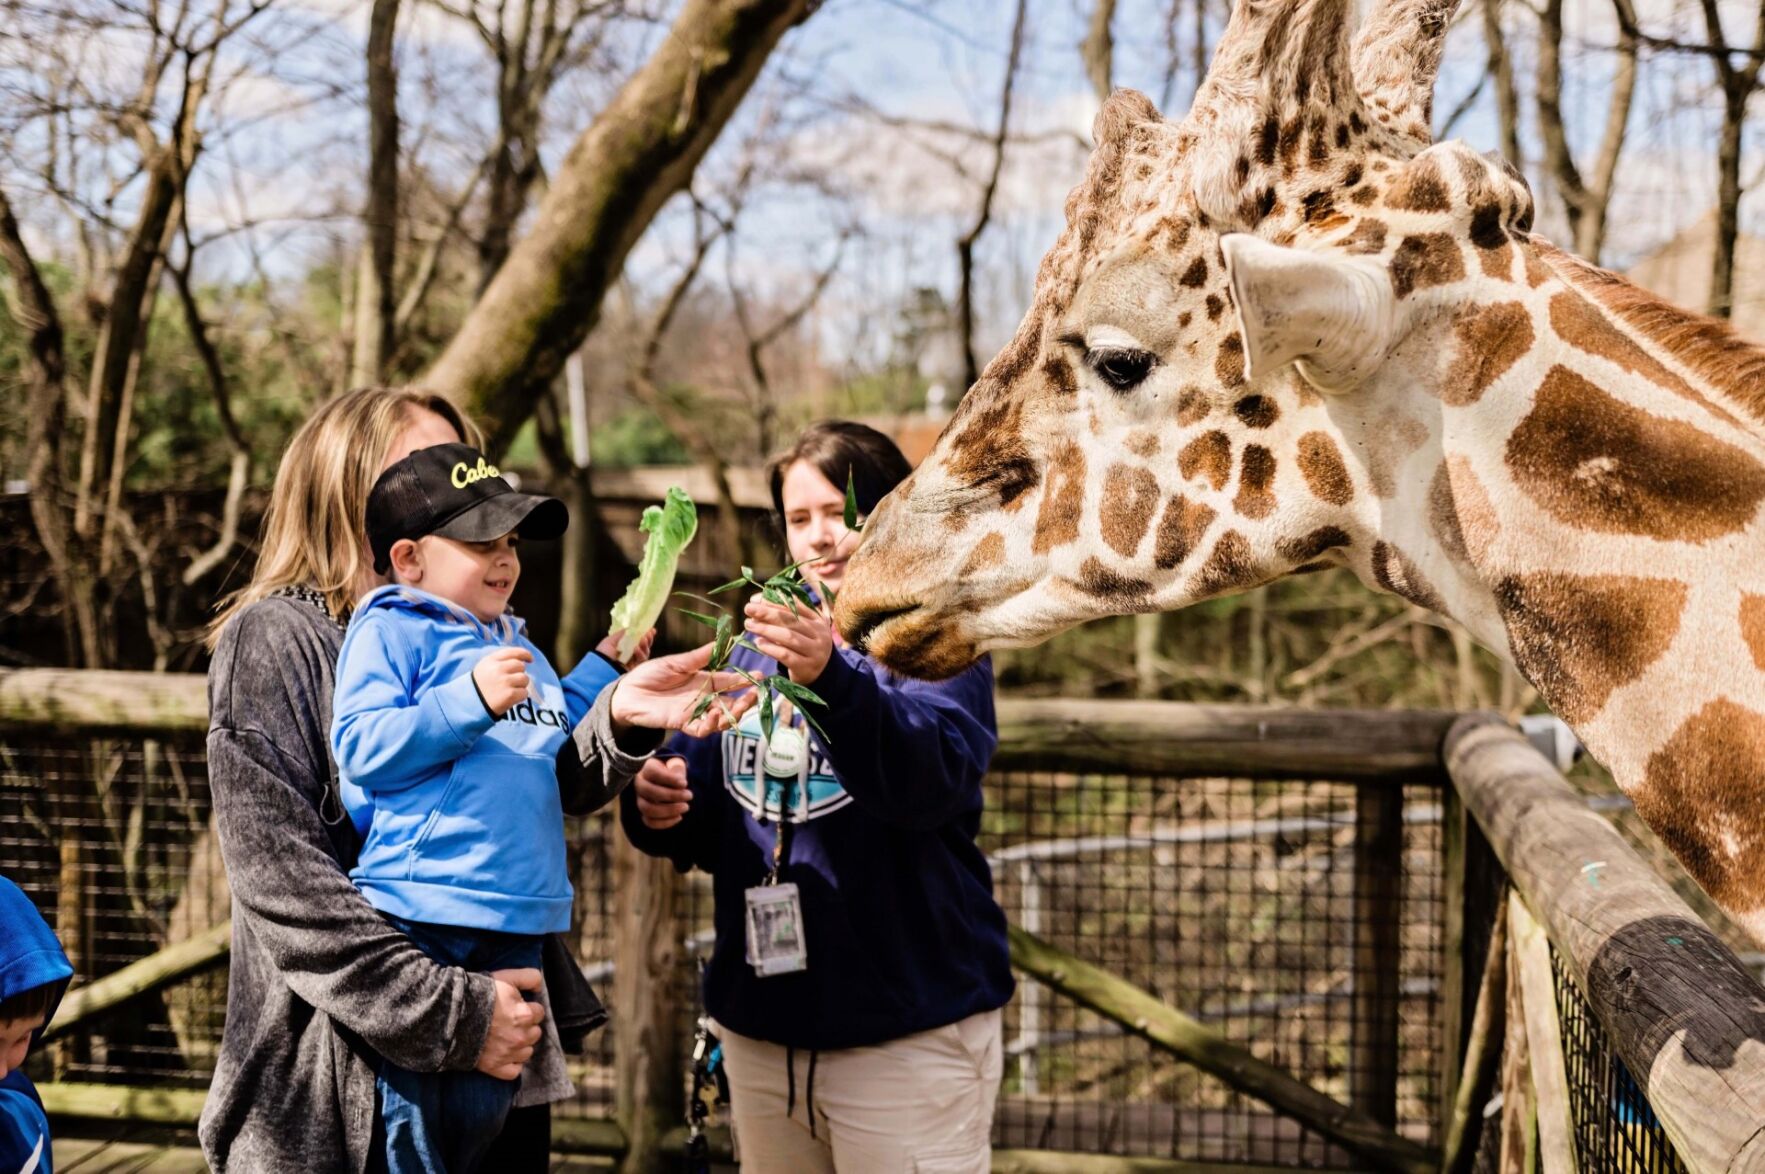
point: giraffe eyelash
(1123, 368)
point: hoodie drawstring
(790, 1084)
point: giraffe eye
(1121, 367)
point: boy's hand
(609, 648)
(501, 678)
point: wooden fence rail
(1684, 1014)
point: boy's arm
(587, 681)
(382, 737)
(911, 753)
(269, 782)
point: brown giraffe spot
(1427, 259)
(1325, 474)
(1229, 568)
(1241, 170)
(1210, 456)
(987, 446)
(1142, 443)
(1352, 175)
(1707, 347)
(1060, 375)
(1257, 411)
(1700, 794)
(1309, 547)
(1317, 205)
(1291, 132)
(956, 521)
(1192, 406)
(1122, 590)
(1752, 627)
(1214, 307)
(1256, 475)
(1063, 500)
(1579, 324)
(1393, 570)
(1580, 637)
(1196, 274)
(1229, 365)
(1255, 209)
(1342, 135)
(1537, 272)
(1495, 252)
(1418, 188)
(1473, 514)
(1491, 339)
(1600, 464)
(1180, 531)
(988, 553)
(1363, 196)
(1268, 136)
(1130, 496)
(1368, 237)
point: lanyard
(782, 837)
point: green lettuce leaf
(669, 527)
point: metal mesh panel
(1232, 900)
(1615, 1129)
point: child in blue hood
(452, 734)
(33, 974)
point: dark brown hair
(31, 1004)
(837, 448)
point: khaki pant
(922, 1104)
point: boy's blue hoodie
(899, 921)
(30, 957)
(459, 811)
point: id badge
(775, 930)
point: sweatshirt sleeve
(587, 681)
(912, 753)
(594, 765)
(269, 783)
(382, 737)
(691, 843)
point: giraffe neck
(1586, 492)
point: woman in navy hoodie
(861, 1028)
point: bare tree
(965, 245)
(1098, 49)
(1737, 83)
(1501, 70)
(1585, 197)
(641, 150)
(374, 293)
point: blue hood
(30, 955)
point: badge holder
(775, 911)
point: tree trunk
(374, 303)
(1098, 50)
(1590, 239)
(648, 1095)
(1507, 103)
(1728, 188)
(971, 364)
(639, 152)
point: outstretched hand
(662, 694)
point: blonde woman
(321, 987)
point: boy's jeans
(443, 1122)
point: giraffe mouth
(860, 628)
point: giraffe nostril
(859, 628)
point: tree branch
(965, 246)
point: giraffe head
(1172, 420)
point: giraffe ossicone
(1290, 331)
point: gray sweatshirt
(319, 984)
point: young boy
(33, 975)
(452, 733)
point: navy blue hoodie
(30, 957)
(902, 932)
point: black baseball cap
(451, 490)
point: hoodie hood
(30, 955)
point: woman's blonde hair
(312, 531)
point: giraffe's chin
(908, 640)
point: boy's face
(15, 1041)
(479, 576)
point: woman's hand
(514, 1025)
(609, 648)
(662, 694)
(663, 793)
(799, 639)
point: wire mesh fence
(1615, 1129)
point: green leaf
(720, 645)
(729, 586)
(801, 694)
(852, 522)
(768, 720)
(700, 617)
(669, 527)
(702, 706)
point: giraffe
(1290, 331)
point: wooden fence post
(1378, 951)
(649, 1086)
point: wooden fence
(1528, 869)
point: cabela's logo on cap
(464, 474)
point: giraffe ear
(1334, 315)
